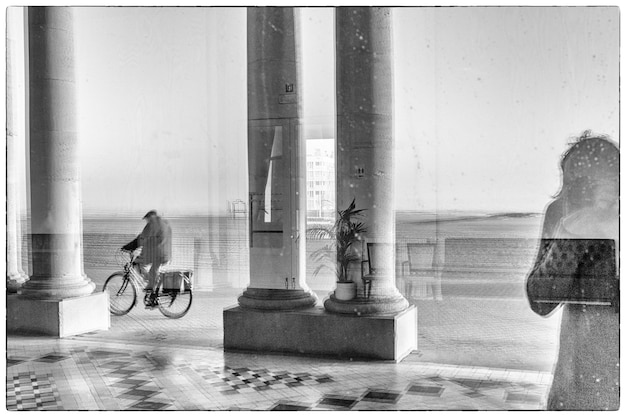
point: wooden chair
(376, 253)
(419, 272)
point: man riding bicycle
(156, 243)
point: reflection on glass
(266, 186)
(275, 156)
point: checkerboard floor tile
(51, 358)
(381, 396)
(90, 375)
(32, 391)
(227, 380)
(522, 398)
(287, 406)
(149, 405)
(336, 403)
(426, 389)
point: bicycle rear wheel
(122, 294)
(174, 303)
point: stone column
(54, 165)
(365, 141)
(57, 299)
(277, 277)
(15, 144)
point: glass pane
(477, 161)
(266, 186)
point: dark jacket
(156, 240)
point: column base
(366, 306)
(37, 288)
(15, 281)
(315, 332)
(60, 318)
(276, 299)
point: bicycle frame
(132, 274)
(132, 271)
(163, 298)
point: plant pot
(346, 290)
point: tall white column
(15, 144)
(58, 300)
(365, 141)
(54, 161)
(276, 165)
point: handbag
(575, 271)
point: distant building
(320, 179)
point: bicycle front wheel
(174, 303)
(122, 294)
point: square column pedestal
(315, 332)
(60, 318)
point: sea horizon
(216, 245)
(425, 214)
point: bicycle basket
(177, 280)
(121, 258)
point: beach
(498, 247)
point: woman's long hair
(589, 160)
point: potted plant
(340, 253)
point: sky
(488, 98)
(485, 100)
(163, 109)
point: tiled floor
(148, 362)
(77, 374)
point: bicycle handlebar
(131, 254)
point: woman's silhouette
(576, 268)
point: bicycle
(173, 295)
